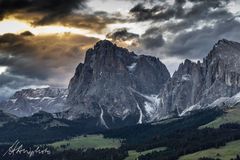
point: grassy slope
(231, 116)
(224, 153)
(133, 155)
(90, 141)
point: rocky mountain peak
(106, 49)
(195, 85)
(225, 46)
(106, 83)
(104, 44)
(224, 41)
(224, 56)
(187, 64)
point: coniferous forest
(178, 140)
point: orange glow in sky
(17, 26)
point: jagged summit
(104, 43)
(187, 62)
(223, 41)
(226, 54)
(107, 48)
(226, 41)
(224, 44)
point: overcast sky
(42, 41)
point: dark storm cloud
(11, 81)
(166, 11)
(70, 13)
(9, 84)
(43, 57)
(152, 38)
(142, 13)
(192, 22)
(49, 8)
(96, 21)
(207, 9)
(158, 12)
(198, 43)
(122, 34)
(189, 27)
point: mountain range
(26, 102)
(115, 87)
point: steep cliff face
(196, 85)
(29, 101)
(110, 83)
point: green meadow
(88, 141)
(133, 155)
(230, 150)
(231, 116)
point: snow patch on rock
(132, 66)
(151, 105)
(102, 119)
(226, 101)
(141, 114)
(219, 102)
(233, 100)
(33, 98)
(190, 109)
(13, 100)
(186, 77)
(125, 114)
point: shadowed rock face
(110, 81)
(196, 85)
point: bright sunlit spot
(3, 69)
(16, 26)
(13, 26)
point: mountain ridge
(26, 102)
(196, 85)
(120, 88)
